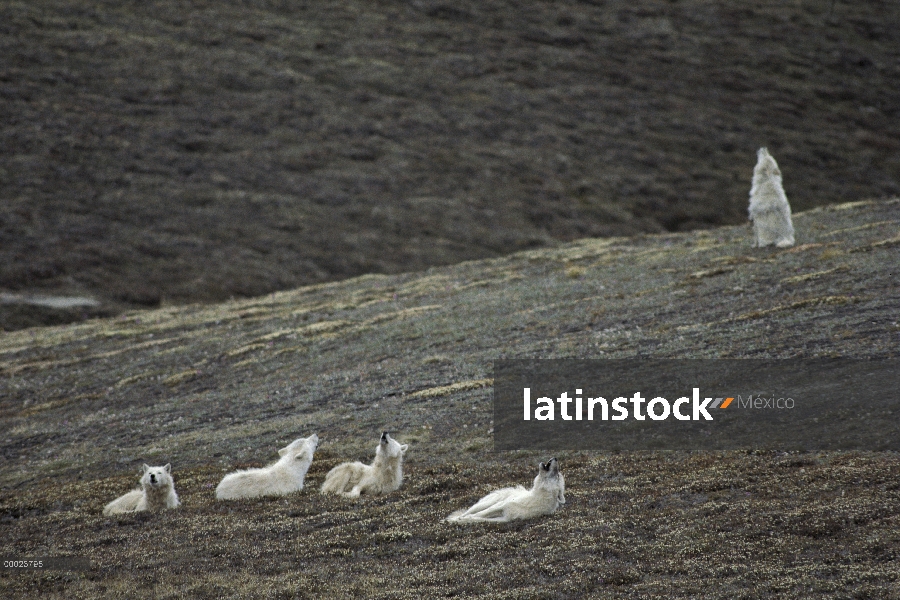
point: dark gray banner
(644, 404)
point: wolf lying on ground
(157, 492)
(769, 209)
(384, 475)
(508, 504)
(277, 479)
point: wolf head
(550, 478)
(300, 449)
(766, 167)
(389, 447)
(156, 477)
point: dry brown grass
(82, 406)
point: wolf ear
(168, 468)
(283, 451)
(146, 467)
(404, 447)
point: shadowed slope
(171, 152)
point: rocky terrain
(211, 388)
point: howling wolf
(278, 479)
(508, 504)
(769, 208)
(157, 492)
(384, 475)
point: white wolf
(546, 495)
(384, 475)
(156, 493)
(277, 479)
(769, 209)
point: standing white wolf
(384, 475)
(277, 479)
(157, 492)
(769, 209)
(546, 495)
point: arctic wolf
(508, 504)
(156, 493)
(384, 475)
(278, 479)
(769, 208)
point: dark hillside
(169, 152)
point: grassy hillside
(214, 388)
(172, 152)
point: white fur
(384, 475)
(769, 209)
(508, 504)
(277, 479)
(156, 493)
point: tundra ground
(214, 388)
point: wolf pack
(770, 214)
(351, 480)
